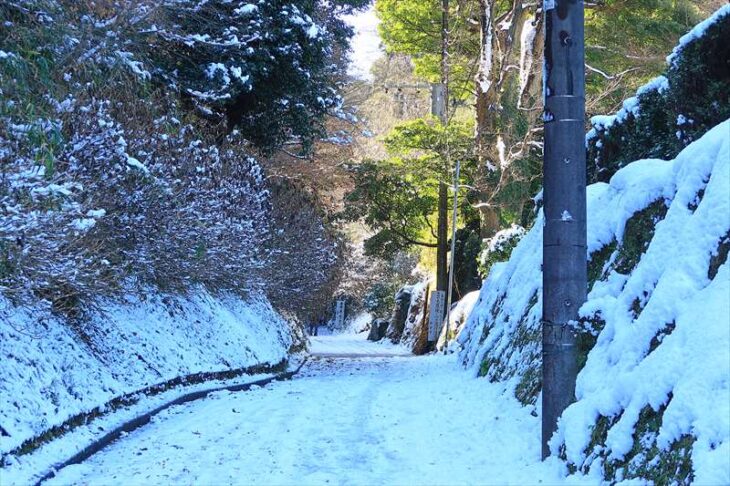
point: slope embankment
(56, 369)
(652, 396)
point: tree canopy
(397, 196)
(414, 28)
(494, 54)
(270, 67)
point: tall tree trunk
(486, 120)
(442, 274)
(564, 240)
(504, 94)
(442, 278)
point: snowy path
(352, 346)
(375, 420)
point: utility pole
(445, 55)
(453, 251)
(564, 197)
(439, 109)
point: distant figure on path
(314, 325)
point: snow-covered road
(367, 420)
(352, 346)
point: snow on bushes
(653, 395)
(269, 65)
(499, 247)
(110, 180)
(121, 197)
(672, 110)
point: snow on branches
(268, 67)
(109, 180)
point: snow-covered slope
(458, 316)
(53, 369)
(653, 397)
(672, 110)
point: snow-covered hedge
(672, 110)
(108, 177)
(653, 398)
(53, 369)
(499, 247)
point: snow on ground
(52, 369)
(353, 345)
(661, 323)
(388, 420)
(27, 469)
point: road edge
(146, 417)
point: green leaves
(396, 203)
(410, 27)
(270, 67)
(413, 27)
(630, 35)
(397, 197)
(426, 139)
